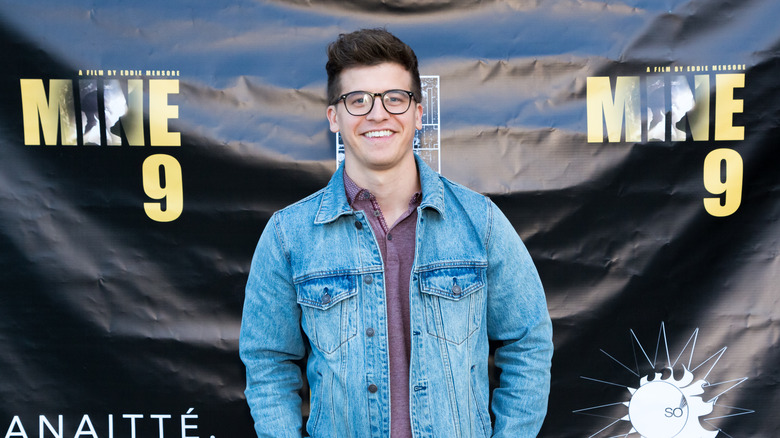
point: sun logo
(661, 408)
(670, 403)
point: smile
(376, 134)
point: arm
(517, 316)
(271, 340)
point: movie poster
(144, 145)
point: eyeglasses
(360, 103)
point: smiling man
(394, 279)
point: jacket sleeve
(271, 341)
(517, 317)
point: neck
(392, 188)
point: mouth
(378, 134)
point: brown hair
(367, 47)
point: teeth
(374, 134)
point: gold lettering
(626, 103)
(133, 120)
(726, 106)
(699, 114)
(58, 111)
(160, 112)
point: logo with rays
(670, 401)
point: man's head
(374, 72)
(368, 47)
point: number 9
(171, 192)
(730, 186)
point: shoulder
(461, 191)
(300, 212)
(459, 198)
(310, 202)
(480, 210)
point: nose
(378, 111)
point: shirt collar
(335, 202)
(352, 189)
(355, 192)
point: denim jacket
(317, 278)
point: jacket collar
(432, 187)
(334, 202)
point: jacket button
(372, 388)
(456, 290)
(369, 332)
(325, 298)
(358, 225)
(368, 279)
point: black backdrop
(120, 320)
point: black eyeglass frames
(360, 103)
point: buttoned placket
(397, 312)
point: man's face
(378, 140)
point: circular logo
(658, 409)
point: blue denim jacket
(317, 271)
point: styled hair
(369, 47)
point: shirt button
(373, 388)
(369, 332)
(358, 225)
(368, 279)
(389, 236)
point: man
(398, 278)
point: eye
(396, 98)
(357, 99)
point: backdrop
(144, 145)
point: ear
(418, 110)
(331, 114)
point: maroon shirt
(396, 244)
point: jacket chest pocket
(453, 298)
(329, 307)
